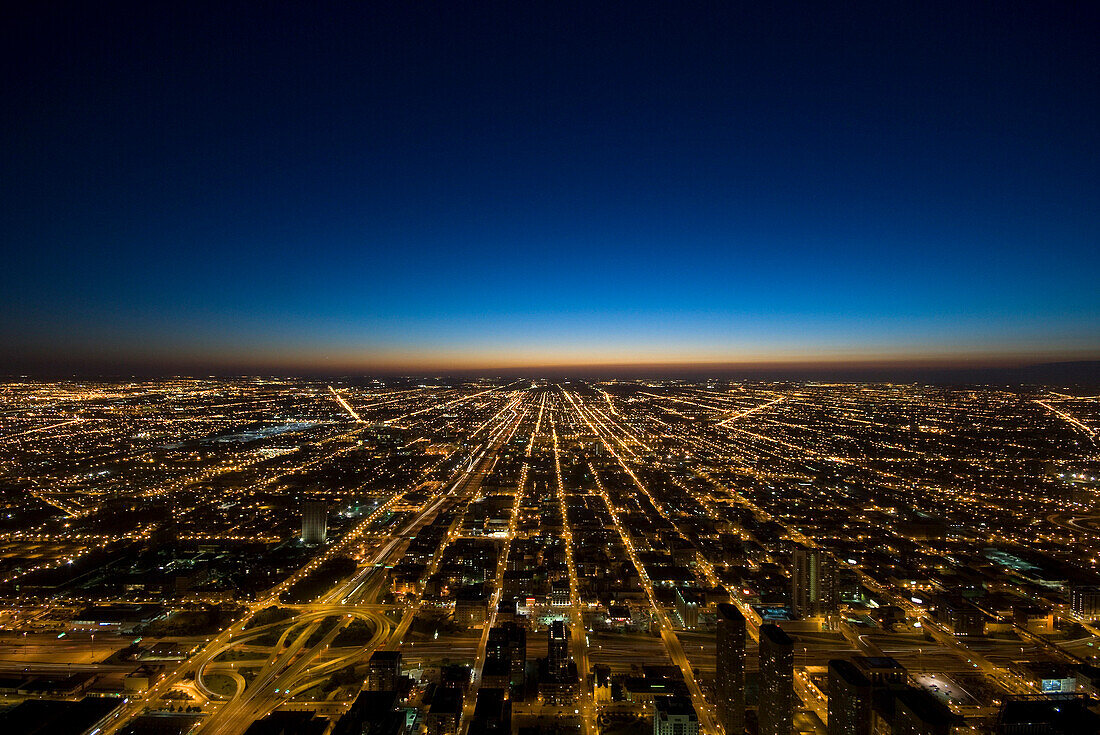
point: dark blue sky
(364, 185)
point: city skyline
(245, 556)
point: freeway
(1090, 432)
(283, 673)
(344, 404)
(234, 717)
(294, 670)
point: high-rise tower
(849, 699)
(813, 584)
(776, 711)
(730, 661)
(507, 649)
(557, 649)
(314, 523)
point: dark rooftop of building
(1056, 713)
(36, 716)
(385, 656)
(673, 706)
(447, 701)
(876, 662)
(776, 635)
(288, 723)
(925, 706)
(729, 611)
(848, 671)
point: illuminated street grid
(151, 546)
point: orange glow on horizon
(303, 360)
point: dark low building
(372, 713)
(44, 717)
(120, 618)
(383, 671)
(674, 716)
(444, 711)
(288, 723)
(917, 712)
(1056, 714)
(492, 712)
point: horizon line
(857, 370)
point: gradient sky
(427, 185)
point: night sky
(422, 186)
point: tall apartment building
(776, 710)
(557, 647)
(813, 583)
(850, 699)
(314, 522)
(730, 662)
(506, 650)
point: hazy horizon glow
(353, 188)
(320, 359)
